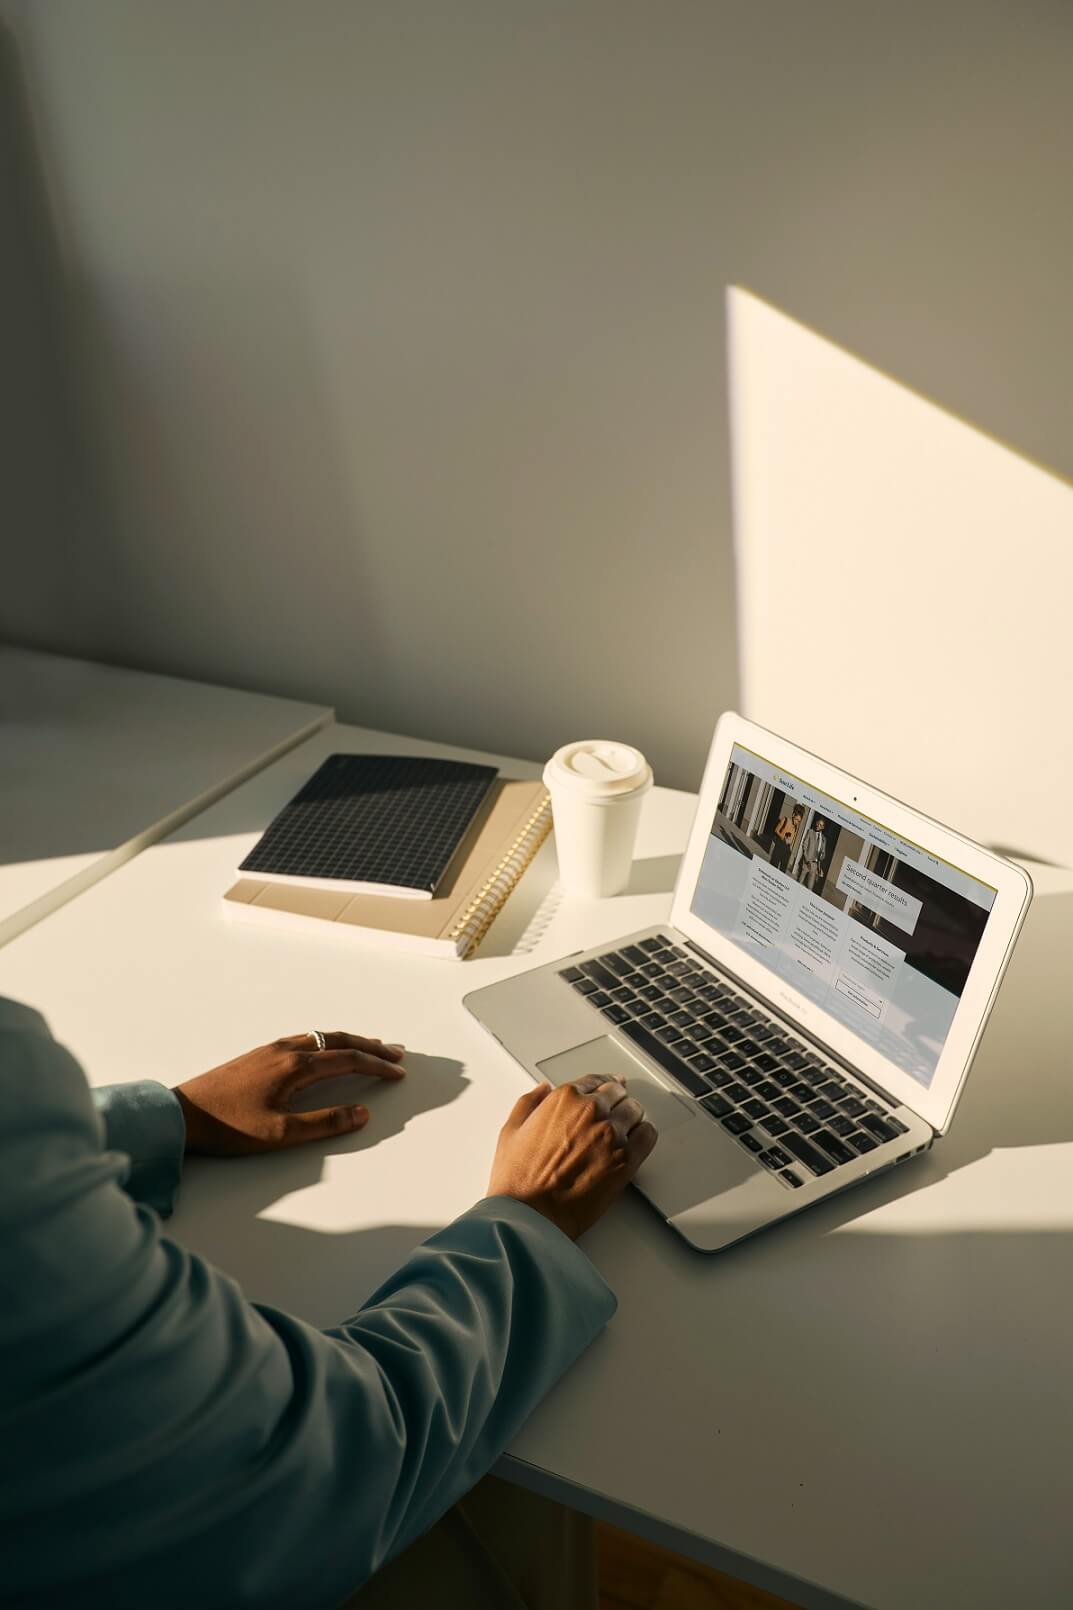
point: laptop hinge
(797, 1028)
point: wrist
(539, 1205)
(193, 1118)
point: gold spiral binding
(537, 827)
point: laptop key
(791, 1178)
(635, 954)
(782, 1076)
(585, 987)
(717, 1105)
(806, 1153)
(858, 1141)
(600, 973)
(833, 1146)
(766, 1063)
(737, 1092)
(775, 1126)
(853, 1105)
(877, 1127)
(787, 1106)
(731, 1035)
(571, 974)
(667, 1059)
(720, 1078)
(700, 1061)
(737, 1123)
(616, 1013)
(774, 1157)
(755, 1108)
(600, 999)
(650, 944)
(768, 1090)
(842, 1126)
(617, 961)
(806, 1123)
(652, 1020)
(822, 1109)
(752, 1143)
(749, 1048)
(732, 1061)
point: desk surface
(872, 1403)
(97, 762)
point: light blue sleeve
(220, 1453)
(144, 1122)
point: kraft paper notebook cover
(456, 919)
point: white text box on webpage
(870, 890)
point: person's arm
(236, 1452)
(238, 1108)
(144, 1123)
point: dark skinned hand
(569, 1152)
(243, 1106)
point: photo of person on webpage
(873, 929)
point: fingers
(592, 1081)
(527, 1104)
(313, 1066)
(321, 1125)
(640, 1142)
(339, 1040)
(625, 1116)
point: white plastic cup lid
(598, 768)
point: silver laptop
(807, 1015)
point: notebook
(453, 922)
(373, 824)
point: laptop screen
(874, 929)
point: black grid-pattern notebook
(375, 824)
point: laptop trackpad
(606, 1056)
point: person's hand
(569, 1152)
(243, 1106)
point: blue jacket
(164, 1442)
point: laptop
(807, 1016)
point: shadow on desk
(322, 1275)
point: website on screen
(870, 927)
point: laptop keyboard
(781, 1100)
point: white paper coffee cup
(596, 789)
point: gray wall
(397, 328)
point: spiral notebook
(489, 863)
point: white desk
(97, 762)
(872, 1404)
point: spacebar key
(679, 1070)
